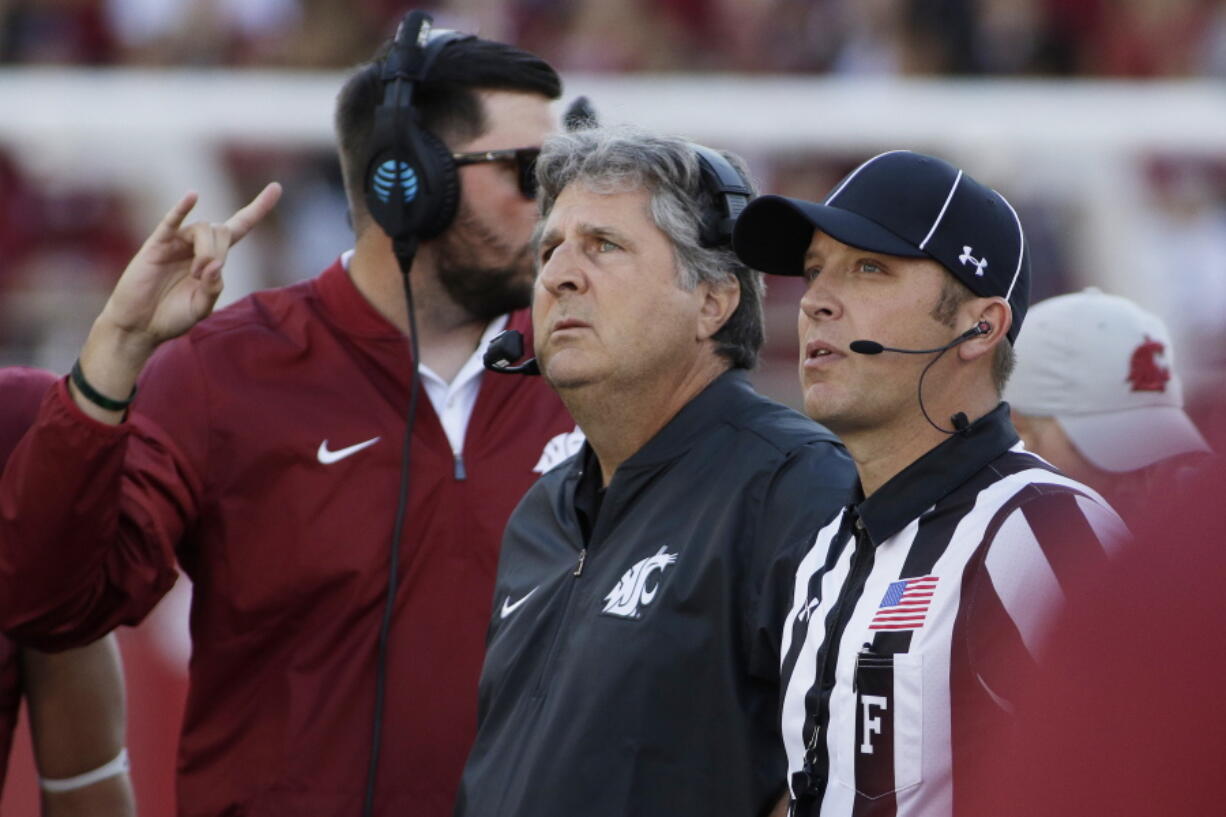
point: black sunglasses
(525, 164)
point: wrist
(125, 348)
(110, 363)
(113, 357)
(82, 388)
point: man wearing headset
(631, 665)
(264, 451)
(947, 559)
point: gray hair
(622, 159)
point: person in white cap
(1096, 394)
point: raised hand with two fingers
(169, 286)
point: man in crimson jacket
(264, 452)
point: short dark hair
(954, 293)
(447, 101)
(626, 158)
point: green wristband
(93, 395)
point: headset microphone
(959, 420)
(504, 350)
(872, 347)
(729, 192)
(508, 346)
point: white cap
(1103, 367)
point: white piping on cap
(1021, 246)
(944, 207)
(847, 181)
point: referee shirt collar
(919, 486)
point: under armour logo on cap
(900, 203)
(967, 258)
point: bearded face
(484, 259)
(483, 270)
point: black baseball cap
(900, 203)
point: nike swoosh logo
(328, 457)
(508, 607)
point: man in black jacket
(632, 663)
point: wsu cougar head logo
(637, 586)
(1144, 371)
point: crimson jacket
(227, 467)
(21, 391)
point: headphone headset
(412, 187)
(730, 190)
(412, 191)
(730, 194)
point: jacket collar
(936, 474)
(348, 308)
(691, 423)
(694, 421)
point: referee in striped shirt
(907, 606)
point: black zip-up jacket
(634, 671)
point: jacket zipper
(563, 619)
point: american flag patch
(905, 604)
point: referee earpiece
(412, 188)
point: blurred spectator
(329, 34)
(874, 40)
(198, 32)
(1015, 37)
(1096, 394)
(796, 35)
(305, 33)
(941, 37)
(1213, 62)
(1184, 236)
(1149, 38)
(61, 247)
(59, 32)
(1131, 38)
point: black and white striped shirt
(914, 614)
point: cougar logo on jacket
(559, 449)
(633, 590)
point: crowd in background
(1122, 38)
(62, 243)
